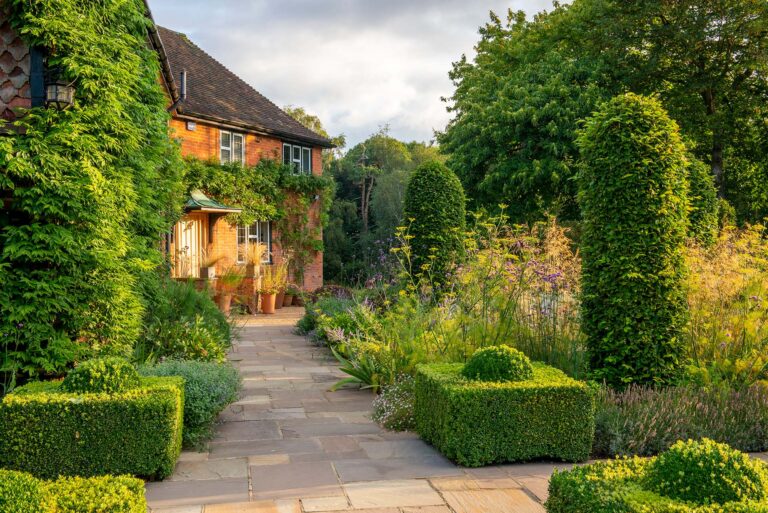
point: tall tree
(518, 103)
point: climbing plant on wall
(271, 191)
(90, 188)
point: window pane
(306, 160)
(237, 147)
(253, 231)
(226, 139)
(242, 244)
(286, 153)
(297, 153)
(226, 156)
(265, 236)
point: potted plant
(281, 280)
(291, 291)
(268, 289)
(208, 265)
(226, 287)
(255, 257)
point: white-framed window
(260, 231)
(231, 147)
(300, 157)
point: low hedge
(51, 433)
(208, 388)
(478, 423)
(21, 492)
(701, 472)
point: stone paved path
(291, 446)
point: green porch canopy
(199, 202)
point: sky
(357, 64)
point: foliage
(479, 423)
(393, 408)
(105, 494)
(182, 323)
(208, 388)
(91, 187)
(434, 208)
(644, 421)
(516, 108)
(706, 472)
(371, 179)
(620, 486)
(271, 191)
(727, 336)
(498, 363)
(101, 375)
(704, 215)
(517, 105)
(49, 432)
(632, 193)
(22, 493)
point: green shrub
(48, 432)
(435, 208)
(478, 423)
(22, 493)
(208, 388)
(634, 206)
(105, 375)
(704, 215)
(621, 486)
(498, 363)
(105, 494)
(706, 472)
(184, 323)
(644, 420)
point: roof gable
(214, 92)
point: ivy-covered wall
(91, 188)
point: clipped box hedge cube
(50, 433)
(22, 492)
(477, 423)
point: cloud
(357, 64)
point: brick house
(224, 118)
(219, 117)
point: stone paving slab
(289, 445)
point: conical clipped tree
(633, 194)
(704, 210)
(435, 208)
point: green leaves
(91, 188)
(633, 194)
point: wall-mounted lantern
(59, 92)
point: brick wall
(14, 70)
(203, 143)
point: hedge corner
(51, 433)
(479, 423)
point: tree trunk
(716, 156)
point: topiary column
(634, 206)
(435, 209)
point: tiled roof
(214, 92)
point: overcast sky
(357, 64)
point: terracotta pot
(268, 303)
(224, 302)
(279, 299)
(288, 300)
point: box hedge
(48, 432)
(701, 471)
(21, 492)
(478, 423)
